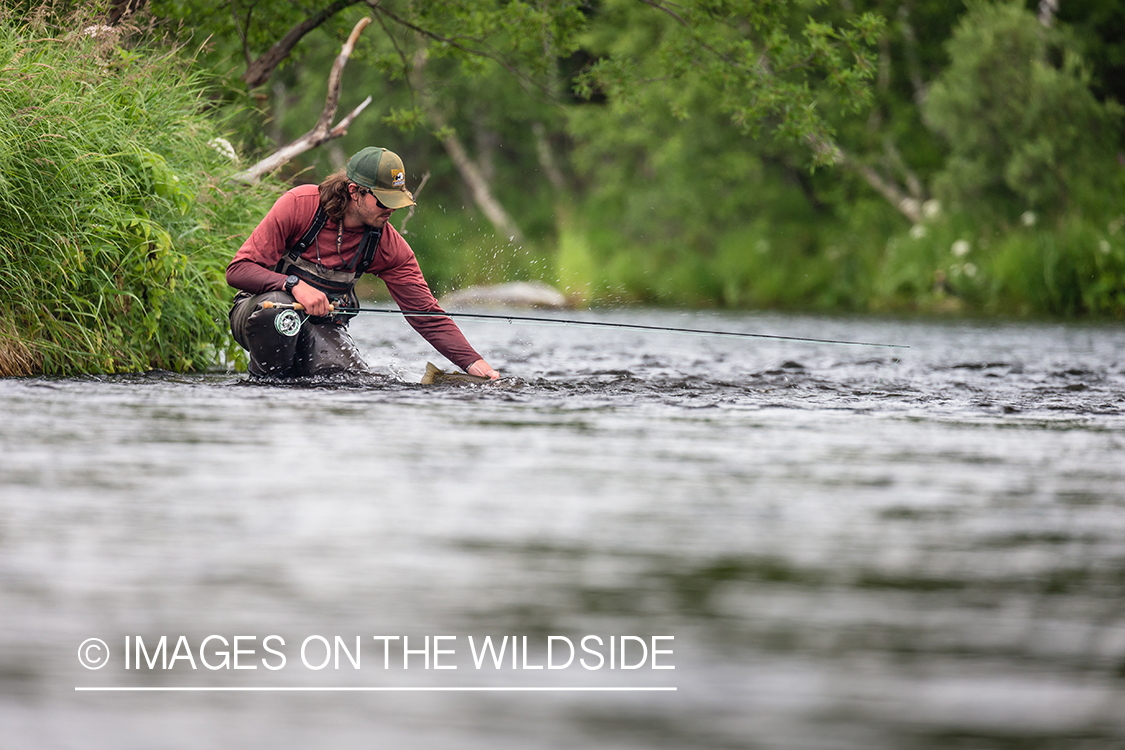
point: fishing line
(531, 320)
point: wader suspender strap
(309, 237)
(367, 248)
(335, 283)
(363, 257)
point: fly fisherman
(310, 249)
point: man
(311, 247)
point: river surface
(833, 546)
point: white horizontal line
(370, 689)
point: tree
(1023, 128)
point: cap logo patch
(398, 178)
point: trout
(437, 376)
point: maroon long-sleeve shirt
(251, 269)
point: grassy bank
(1073, 268)
(115, 220)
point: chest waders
(283, 343)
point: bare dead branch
(417, 192)
(913, 183)
(547, 158)
(469, 170)
(323, 130)
(831, 152)
(478, 185)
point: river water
(833, 546)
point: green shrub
(1079, 269)
(1072, 267)
(115, 223)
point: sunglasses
(364, 191)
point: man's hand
(482, 369)
(312, 299)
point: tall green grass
(1070, 267)
(115, 221)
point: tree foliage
(767, 65)
(1024, 130)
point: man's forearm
(250, 277)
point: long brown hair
(334, 195)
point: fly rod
(532, 320)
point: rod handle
(267, 305)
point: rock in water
(515, 294)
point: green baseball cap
(382, 172)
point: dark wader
(283, 344)
(287, 343)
